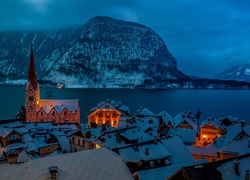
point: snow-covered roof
(167, 171)
(63, 141)
(180, 154)
(233, 131)
(165, 117)
(185, 116)
(138, 152)
(227, 169)
(188, 136)
(14, 146)
(23, 156)
(213, 121)
(95, 164)
(145, 112)
(4, 132)
(59, 105)
(11, 123)
(209, 150)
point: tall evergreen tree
(21, 114)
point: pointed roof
(32, 70)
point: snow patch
(247, 72)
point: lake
(213, 103)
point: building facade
(42, 110)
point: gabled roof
(188, 136)
(167, 171)
(236, 140)
(4, 132)
(185, 117)
(180, 154)
(145, 112)
(59, 105)
(137, 153)
(165, 117)
(213, 121)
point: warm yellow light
(98, 146)
(204, 136)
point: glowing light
(204, 136)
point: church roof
(32, 70)
(59, 105)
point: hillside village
(51, 143)
(150, 145)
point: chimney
(53, 171)
(146, 151)
(236, 166)
(247, 175)
(88, 134)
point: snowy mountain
(239, 73)
(104, 52)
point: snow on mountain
(102, 53)
(239, 73)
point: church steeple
(32, 71)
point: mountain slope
(238, 73)
(102, 53)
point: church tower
(32, 91)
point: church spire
(32, 71)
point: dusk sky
(205, 36)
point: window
(114, 122)
(79, 141)
(73, 140)
(31, 98)
(83, 143)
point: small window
(31, 98)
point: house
(236, 142)
(178, 158)
(228, 120)
(154, 153)
(42, 110)
(210, 153)
(110, 113)
(88, 138)
(185, 120)
(210, 129)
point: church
(47, 110)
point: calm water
(217, 103)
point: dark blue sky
(205, 36)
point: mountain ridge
(102, 52)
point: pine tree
(21, 114)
